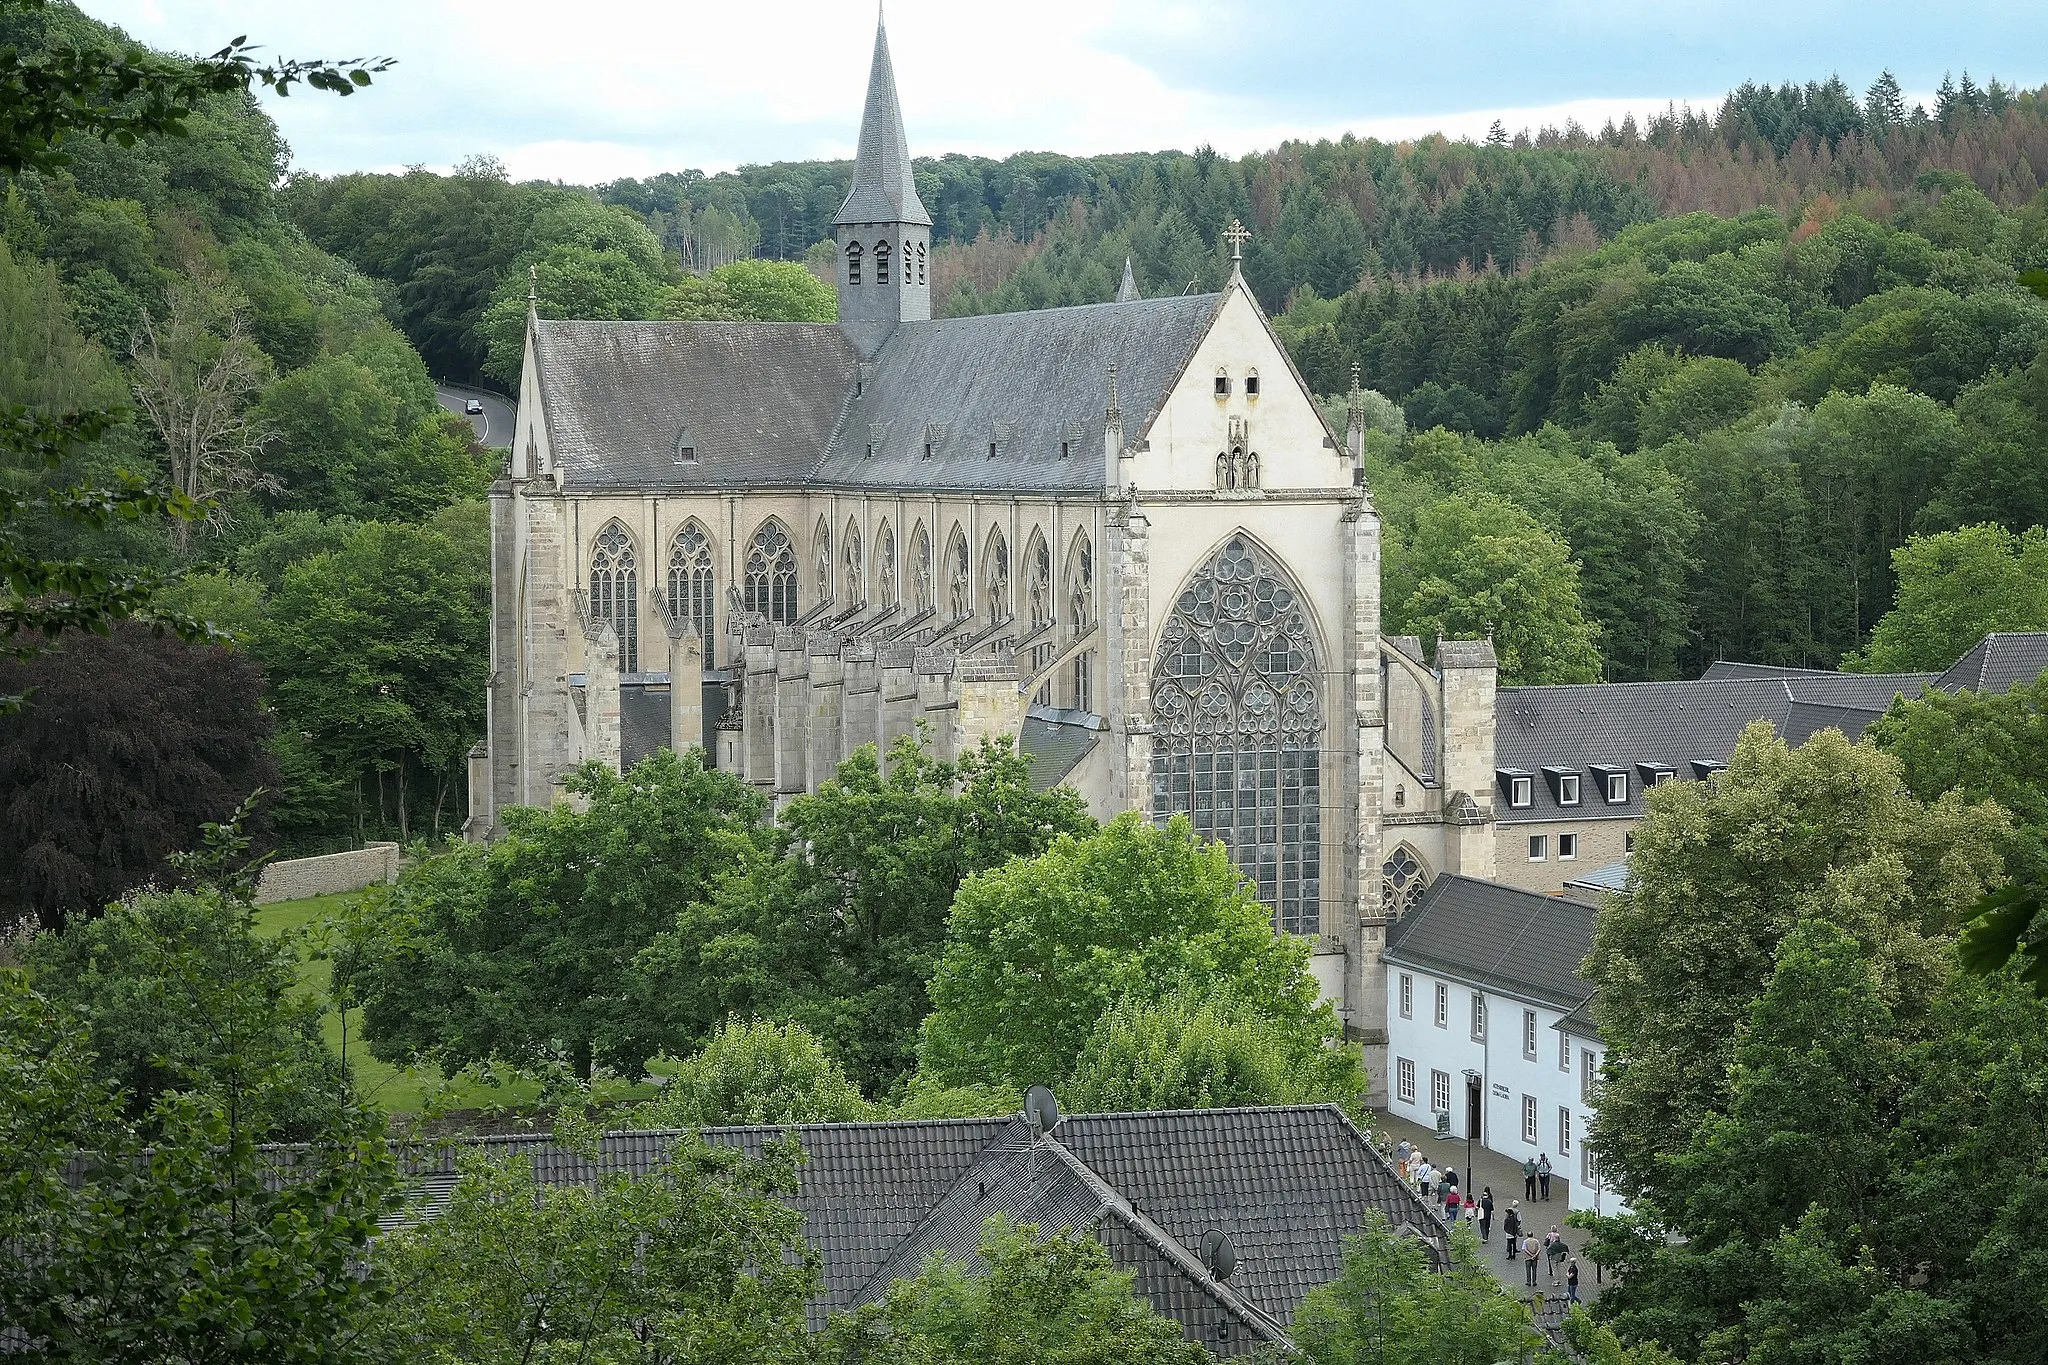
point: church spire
(883, 188)
(1128, 291)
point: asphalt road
(494, 428)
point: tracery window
(885, 565)
(614, 587)
(692, 592)
(1038, 596)
(856, 568)
(959, 599)
(1238, 724)
(996, 574)
(771, 576)
(1080, 616)
(821, 543)
(1403, 879)
(881, 262)
(921, 569)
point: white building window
(1407, 996)
(1443, 1005)
(1529, 1034)
(1529, 1119)
(1564, 1053)
(1617, 789)
(1539, 847)
(1440, 1092)
(1567, 847)
(1478, 1017)
(1568, 789)
(1589, 1068)
(1589, 1170)
(1404, 1079)
(1564, 1131)
(1520, 792)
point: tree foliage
(755, 1072)
(840, 924)
(1954, 589)
(132, 744)
(1722, 871)
(1388, 1307)
(1039, 949)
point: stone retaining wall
(331, 874)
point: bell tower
(883, 232)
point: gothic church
(1121, 534)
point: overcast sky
(596, 89)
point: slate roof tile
(1501, 938)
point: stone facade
(330, 874)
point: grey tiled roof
(1577, 726)
(756, 401)
(1999, 661)
(884, 189)
(643, 722)
(1499, 938)
(1055, 746)
(1026, 381)
(1286, 1184)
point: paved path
(494, 428)
(1505, 1177)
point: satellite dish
(1041, 1110)
(1218, 1254)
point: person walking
(1486, 1213)
(1511, 1228)
(1529, 1259)
(1553, 1251)
(1402, 1152)
(1454, 1203)
(1543, 1174)
(1571, 1281)
(1425, 1177)
(1529, 1180)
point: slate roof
(1056, 741)
(1500, 938)
(1026, 381)
(643, 722)
(756, 401)
(1575, 727)
(884, 187)
(1999, 661)
(878, 1199)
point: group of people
(1441, 1185)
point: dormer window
(927, 450)
(853, 262)
(991, 450)
(871, 450)
(1703, 768)
(1520, 787)
(1251, 384)
(686, 455)
(1564, 786)
(1656, 774)
(1066, 449)
(1222, 384)
(1613, 783)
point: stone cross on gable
(1237, 235)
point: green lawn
(397, 1090)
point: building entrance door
(1472, 1102)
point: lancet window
(771, 576)
(1080, 616)
(1237, 714)
(692, 591)
(921, 569)
(821, 560)
(996, 574)
(959, 597)
(614, 587)
(856, 568)
(1038, 598)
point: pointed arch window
(995, 573)
(821, 561)
(614, 587)
(1039, 600)
(856, 567)
(959, 596)
(921, 580)
(853, 262)
(771, 576)
(1237, 708)
(1403, 879)
(692, 590)
(885, 566)
(1080, 616)
(881, 262)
